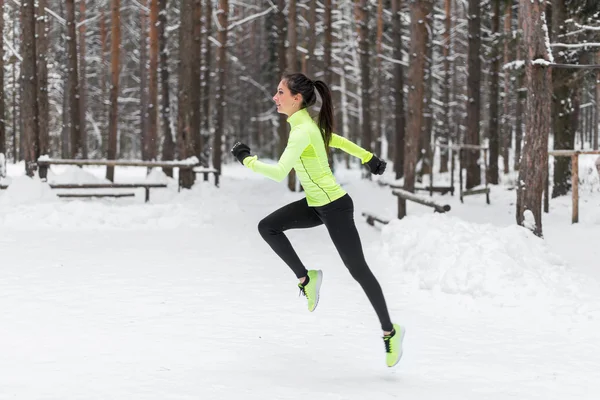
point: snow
(180, 298)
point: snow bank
(74, 175)
(26, 190)
(442, 253)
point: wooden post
(547, 189)
(431, 172)
(460, 177)
(451, 171)
(485, 164)
(575, 184)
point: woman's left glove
(376, 165)
(240, 151)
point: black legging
(338, 217)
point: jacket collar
(299, 117)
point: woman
(325, 203)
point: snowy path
(198, 307)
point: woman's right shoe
(311, 288)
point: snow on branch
(253, 17)
(392, 60)
(542, 62)
(575, 45)
(517, 64)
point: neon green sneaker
(393, 345)
(311, 289)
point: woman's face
(286, 102)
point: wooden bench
(185, 167)
(85, 195)
(206, 172)
(146, 186)
(62, 186)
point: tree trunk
(74, 105)
(82, 78)
(185, 133)
(196, 94)
(419, 15)
(519, 107)
(494, 93)
(168, 150)
(3, 148)
(362, 20)
(379, 131)
(207, 64)
(532, 174)
(309, 58)
(42, 81)
(144, 83)
(280, 28)
(473, 94)
(506, 134)
(153, 83)
(446, 40)
(597, 119)
(115, 57)
(327, 42)
(221, 100)
(103, 86)
(29, 87)
(293, 63)
(562, 104)
(400, 118)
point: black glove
(240, 151)
(376, 165)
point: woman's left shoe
(393, 345)
(311, 288)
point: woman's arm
(297, 142)
(349, 147)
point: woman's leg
(338, 217)
(297, 215)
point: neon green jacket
(305, 152)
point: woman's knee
(265, 228)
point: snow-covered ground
(180, 298)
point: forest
(176, 79)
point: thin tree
(446, 46)
(74, 105)
(144, 83)
(82, 91)
(168, 148)
(29, 87)
(221, 100)
(361, 11)
(494, 93)
(152, 137)
(419, 15)
(399, 116)
(327, 42)
(532, 172)
(115, 57)
(196, 94)
(506, 133)
(2, 104)
(42, 80)
(280, 35)
(473, 93)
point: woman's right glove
(240, 151)
(376, 165)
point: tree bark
(446, 40)
(196, 94)
(221, 101)
(115, 59)
(362, 20)
(3, 147)
(152, 138)
(494, 93)
(74, 105)
(532, 174)
(419, 15)
(144, 83)
(473, 94)
(42, 80)
(562, 104)
(327, 42)
(29, 87)
(168, 150)
(506, 134)
(399, 115)
(82, 90)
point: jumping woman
(326, 203)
